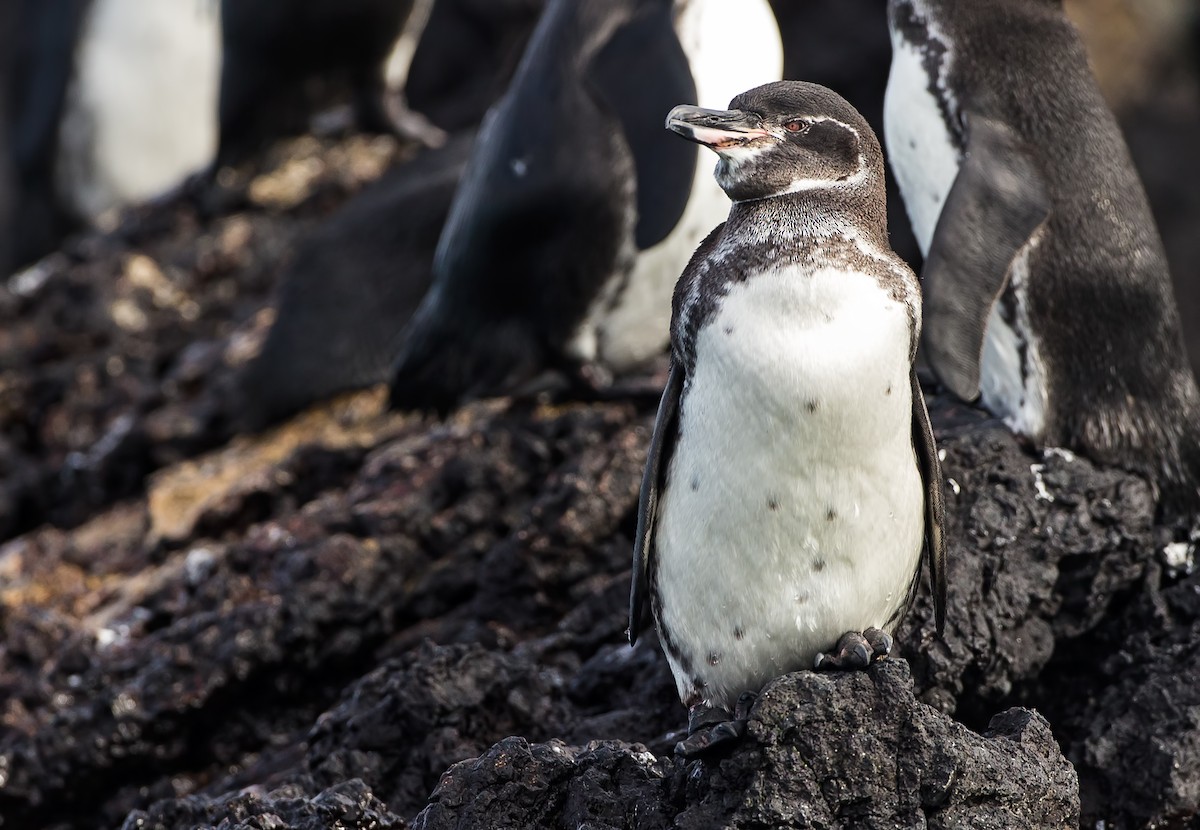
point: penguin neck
(807, 214)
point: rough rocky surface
(837, 750)
(309, 627)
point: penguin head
(785, 137)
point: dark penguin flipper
(997, 202)
(641, 74)
(657, 462)
(935, 508)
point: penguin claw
(712, 727)
(880, 641)
(855, 650)
(710, 738)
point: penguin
(108, 102)
(575, 213)
(114, 102)
(343, 300)
(1047, 292)
(139, 109)
(792, 481)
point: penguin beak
(716, 129)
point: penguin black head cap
(785, 137)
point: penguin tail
(1179, 475)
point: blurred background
(169, 169)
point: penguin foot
(856, 650)
(711, 727)
(412, 125)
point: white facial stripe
(800, 185)
(737, 156)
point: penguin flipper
(935, 508)
(641, 73)
(997, 202)
(662, 443)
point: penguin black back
(467, 54)
(1102, 357)
(548, 210)
(40, 61)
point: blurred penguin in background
(139, 109)
(39, 38)
(112, 102)
(577, 212)
(343, 302)
(108, 102)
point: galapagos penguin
(1047, 293)
(792, 481)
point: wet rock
(1138, 725)
(606, 784)
(822, 750)
(1040, 548)
(113, 352)
(348, 806)
(407, 721)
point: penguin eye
(797, 126)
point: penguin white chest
(920, 150)
(141, 111)
(793, 503)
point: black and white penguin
(139, 112)
(39, 39)
(792, 480)
(112, 102)
(342, 303)
(1047, 292)
(108, 102)
(575, 214)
